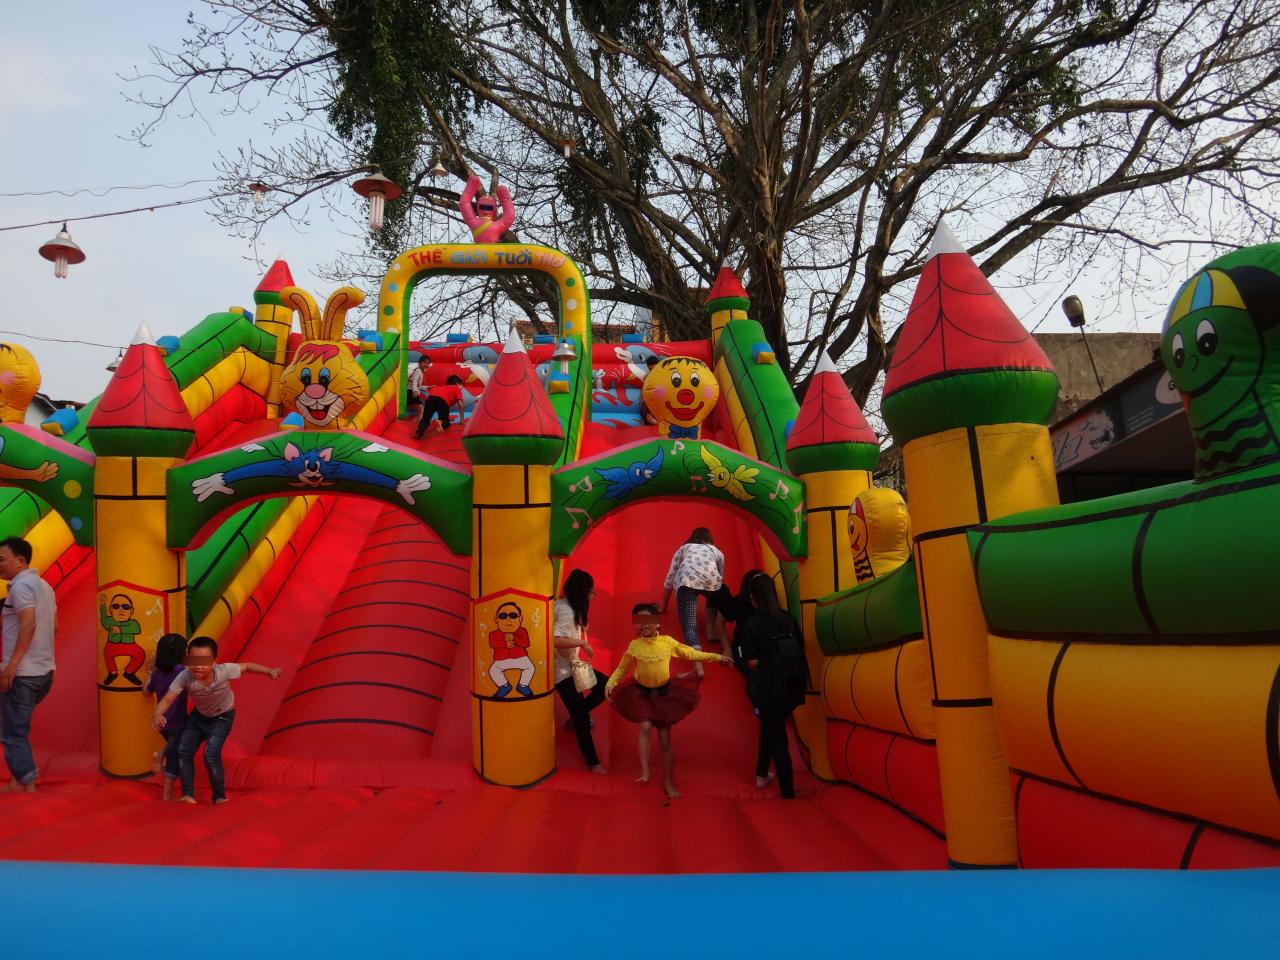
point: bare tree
(810, 145)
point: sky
(65, 120)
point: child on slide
(209, 685)
(654, 698)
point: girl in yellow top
(654, 698)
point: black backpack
(787, 677)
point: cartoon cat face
(310, 464)
(322, 383)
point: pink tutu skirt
(661, 706)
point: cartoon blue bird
(622, 480)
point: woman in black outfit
(729, 607)
(570, 635)
(754, 638)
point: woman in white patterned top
(697, 569)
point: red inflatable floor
(359, 757)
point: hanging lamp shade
(259, 191)
(62, 250)
(438, 170)
(114, 365)
(377, 189)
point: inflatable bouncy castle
(261, 485)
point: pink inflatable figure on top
(481, 213)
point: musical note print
(796, 528)
(697, 484)
(677, 446)
(782, 490)
(586, 517)
(584, 485)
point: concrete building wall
(1117, 356)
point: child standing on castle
(654, 698)
(697, 570)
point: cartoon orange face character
(19, 381)
(680, 392)
(858, 540)
(323, 382)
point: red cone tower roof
(726, 285)
(276, 278)
(830, 431)
(958, 323)
(963, 359)
(142, 408)
(829, 413)
(514, 404)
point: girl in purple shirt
(170, 650)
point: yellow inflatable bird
(721, 477)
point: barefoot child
(654, 698)
(209, 684)
(170, 649)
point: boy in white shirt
(417, 382)
(208, 684)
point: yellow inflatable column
(139, 429)
(513, 438)
(272, 316)
(833, 450)
(967, 396)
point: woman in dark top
(754, 638)
(729, 607)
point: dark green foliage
(590, 216)
(393, 59)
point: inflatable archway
(587, 491)
(300, 463)
(409, 269)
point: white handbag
(584, 675)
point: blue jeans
(212, 732)
(172, 740)
(16, 707)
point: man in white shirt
(26, 658)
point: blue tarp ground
(68, 910)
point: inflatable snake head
(1219, 346)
